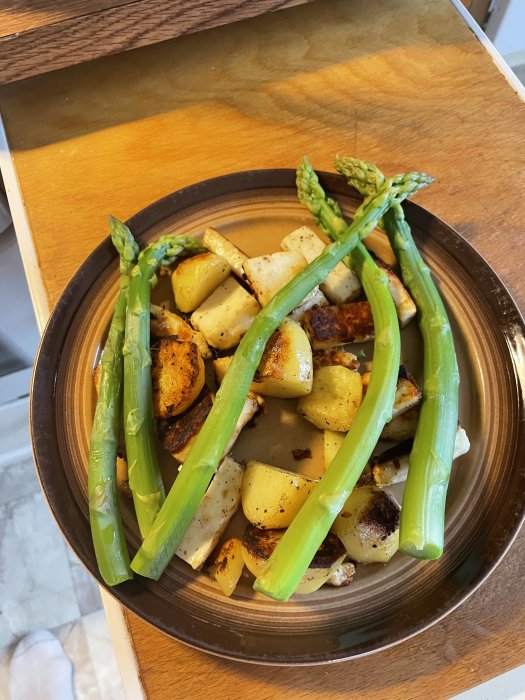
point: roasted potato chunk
(181, 433)
(178, 376)
(334, 400)
(368, 525)
(271, 497)
(165, 323)
(258, 545)
(285, 369)
(329, 326)
(196, 278)
(227, 565)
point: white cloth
(40, 669)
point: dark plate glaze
(385, 604)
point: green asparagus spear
(106, 525)
(189, 487)
(145, 481)
(297, 547)
(423, 513)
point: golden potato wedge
(122, 474)
(332, 441)
(368, 525)
(334, 400)
(194, 279)
(271, 497)
(227, 565)
(285, 370)
(177, 375)
(258, 545)
(165, 323)
(180, 434)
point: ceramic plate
(385, 604)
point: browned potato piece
(181, 434)
(334, 400)
(271, 497)
(285, 369)
(368, 525)
(328, 326)
(258, 545)
(165, 323)
(122, 475)
(178, 376)
(227, 565)
(196, 278)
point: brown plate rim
(133, 594)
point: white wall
(506, 29)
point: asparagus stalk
(145, 480)
(296, 549)
(423, 513)
(201, 463)
(104, 515)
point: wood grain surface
(44, 36)
(405, 87)
(22, 15)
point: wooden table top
(405, 85)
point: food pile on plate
(280, 325)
